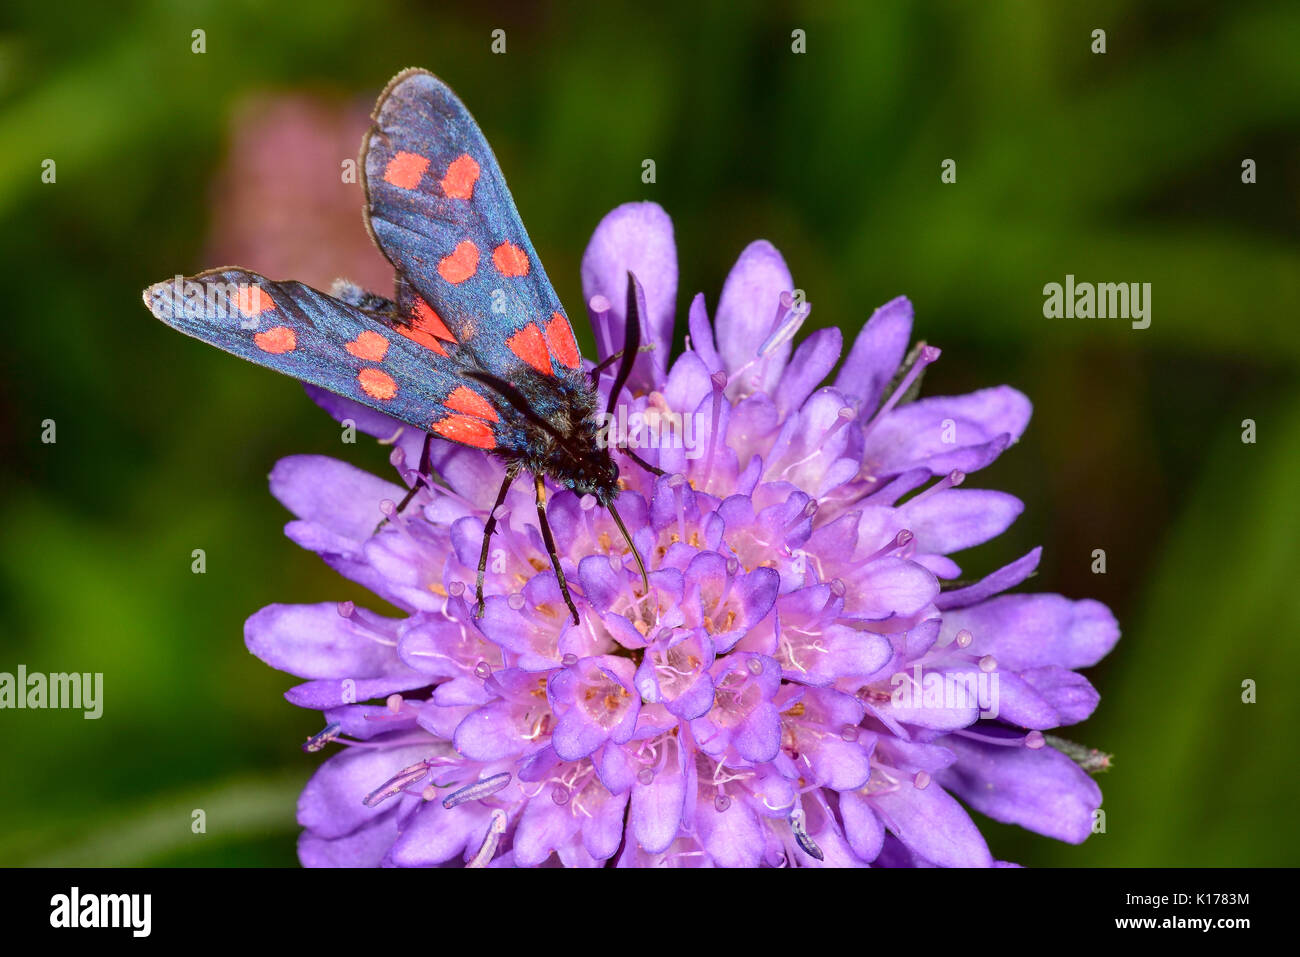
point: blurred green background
(1117, 167)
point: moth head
(594, 474)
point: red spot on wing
(529, 345)
(461, 176)
(510, 260)
(430, 321)
(426, 328)
(560, 335)
(276, 341)
(464, 399)
(377, 383)
(253, 300)
(422, 338)
(405, 169)
(467, 431)
(368, 345)
(460, 264)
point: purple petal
(543, 827)
(636, 238)
(423, 643)
(732, 837)
(1041, 790)
(1008, 576)
(603, 831)
(1031, 631)
(921, 638)
(701, 332)
(894, 853)
(695, 701)
(844, 652)
(930, 432)
(573, 855)
(933, 825)
(758, 736)
(862, 828)
(616, 768)
(315, 641)
(539, 765)
(892, 586)
(688, 383)
(938, 565)
(839, 765)
(580, 727)
(575, 736)
(747, 310)
(364, 847)
(330, 805)
(1043, 698)
(957, 518)
(876, 353)
(365, 721)
(601, 585)
(460, 692)
(968, 458)
(809, 365)
(490, 733)
(656, 811)
(409, 565)
(332, 494)
(944, 699)
(913, 754)
(822, 827)
(1068, 693)
(354, 568)
(335, 692)
(434, 834)
(1019, 704)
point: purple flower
(805, 682)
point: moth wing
(438, 207)
(369, 356)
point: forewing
(438, 207)
(368, 356)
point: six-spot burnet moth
(474, 347)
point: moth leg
(549, 539)
(488, 529)
(426, 468)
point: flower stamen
(477, 791)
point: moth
(473, 347)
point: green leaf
(236, 810)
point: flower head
(803, 682)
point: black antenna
(631, 345)
(645, 579)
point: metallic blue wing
(365, 355)
(438, 208)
